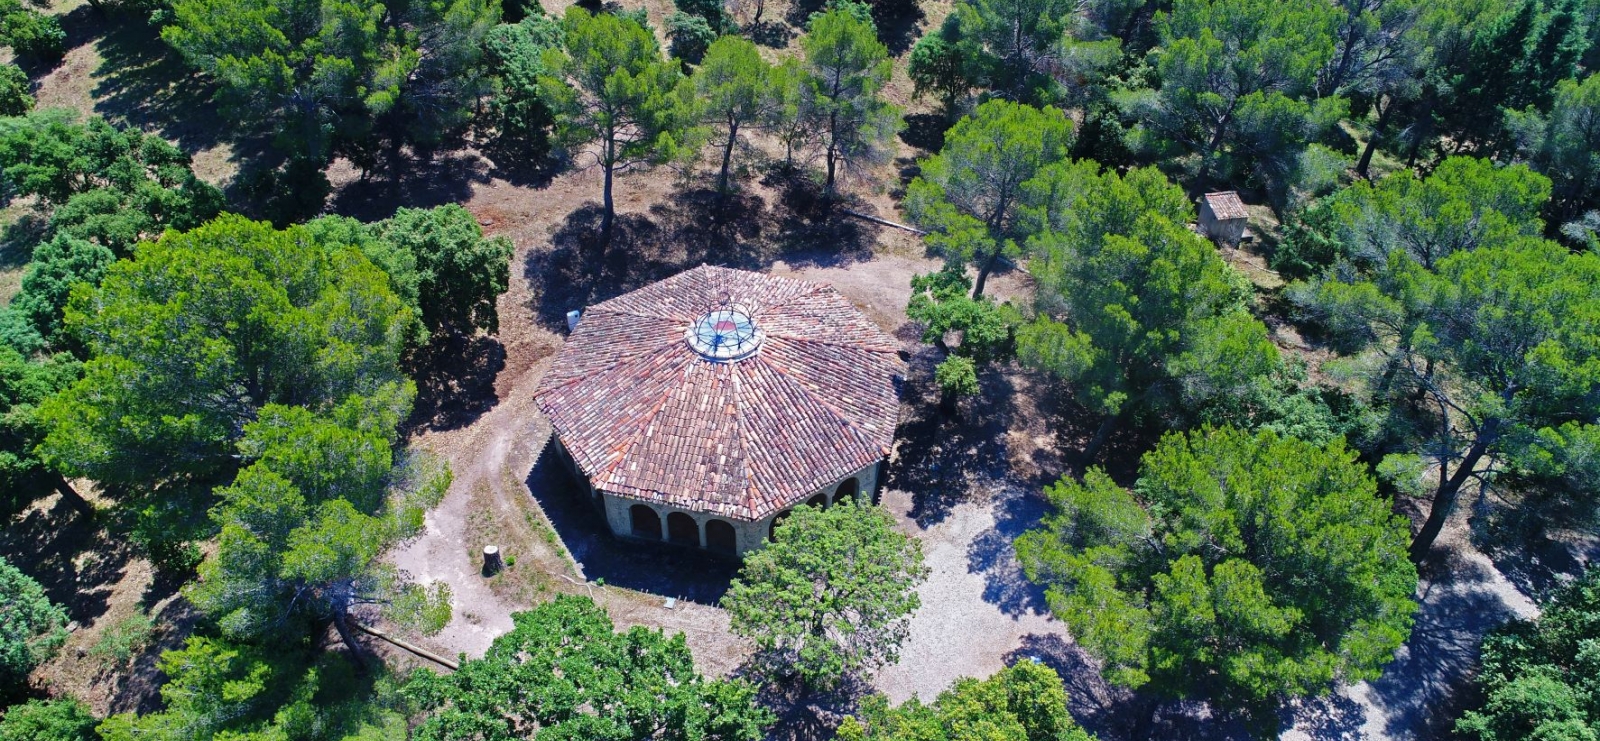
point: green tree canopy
(1563, 144)
(225, 691)
(24, 384)
(831, 597)
(100, 183)
(1136, 312)
(1490, 354)
(1025, 702)
(612, 91)
(520, 116)
(1233, 77)
(847, 69)
(563, 672)
(971, 195)
(1242, 568)
(1464, 204)
(319, 75)
(33, 320)
(31, 626)
(31, 33)
(200, 331)
(16, 94)
(1539, 676)
(302, 527)
(732, 92)
(460, 272)
(48, 720)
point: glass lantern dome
(724, 335)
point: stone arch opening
(819, 501)
(772, 530)
(847, 490)
(721, 537)
(683, 530)
(646, 523)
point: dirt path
(1414, 699)
(977, 613)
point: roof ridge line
(855, 429)
(741, 431)
(836, 343)
(647, 352)
(638, 431)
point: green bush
(31, 33)
(16, 94)
(48, 720)
(690, 35)
(1541, 678)
(32, 629)
(121, 640)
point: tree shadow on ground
(943, 459)
(76, 561)
(1420, 691)
(405, 181)
(135, 687)
(144, 83)
(899, 27)
(770, 34)
(802, 715)
(1114, 713)
(1331, 717)
(1536, 559)
(455, 381)
(993, 555)
(925, 131)
(664, 570)
(692, 227)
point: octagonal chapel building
(702, 408)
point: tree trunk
(984, 271)
(827, 185)
(1372, 142)
(72, 497)
(727, 158)
(1444, 499)
(608, 214)
(342, 624)
(1101, 435)
(1423, 126)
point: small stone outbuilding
(1223, 217)
(701, 409)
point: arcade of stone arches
(717, 535)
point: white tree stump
(491, 559)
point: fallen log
(413, 648)
(884, 222)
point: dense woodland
(225, 374)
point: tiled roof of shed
(647, 417)
(1226, 205)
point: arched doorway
(819, 501)
(646, 523)
(720, 537)
(847, 490)
(683, 530)
(772, 530)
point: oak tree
(831, 597)
(563, 672)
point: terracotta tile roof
(646, 416)
(1226, 205)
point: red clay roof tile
(648, 417)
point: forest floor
(964, 486)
